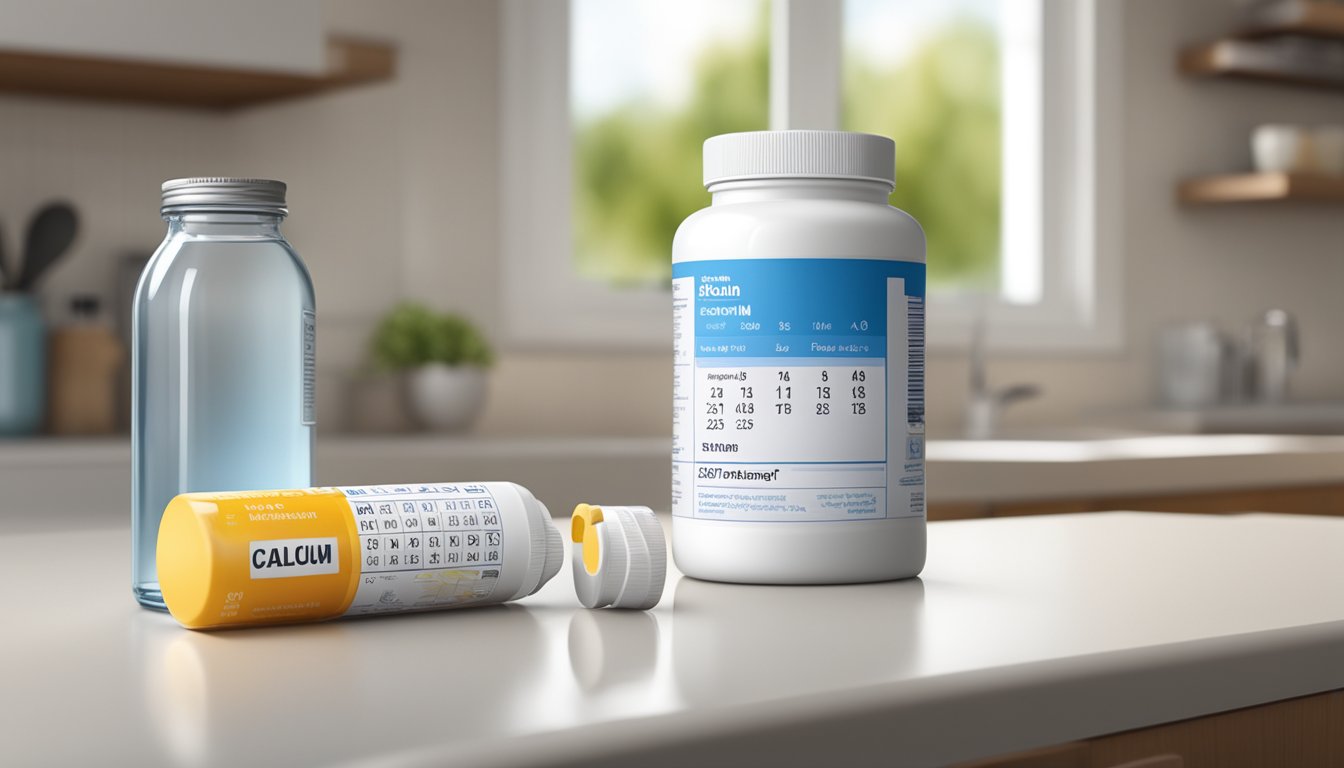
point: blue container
(23, 365)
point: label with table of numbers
(799, 390)
(423, 547)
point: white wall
(394, 194)
(108, 161)
(290, 40)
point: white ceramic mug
(1191, 365)
(1279, 148)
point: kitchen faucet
(983, 404)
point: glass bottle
(222, 360)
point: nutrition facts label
(425, 546)
(799, 389)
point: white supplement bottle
(798, 406)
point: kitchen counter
(1031, 470)
(1021, 632)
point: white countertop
(1022, 632)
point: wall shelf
(1262, 188)
(1240, 59)
(349, 62)
(1269, 48)
(1311, 18)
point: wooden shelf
(1296, 17)
(349, 62)
(1239, 59)
(1261, 50)
(1265, 50)
(1262, 188)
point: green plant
(412, 335)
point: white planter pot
(446, 398)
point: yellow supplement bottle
(268, 557)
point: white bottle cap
(620, 556)
(799, 154)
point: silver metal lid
(218, 193)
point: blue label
(771, 308)
(799, 390)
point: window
(606, 104)
(649, 80)
(927, 75)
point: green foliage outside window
(942, 107)
(637, 167)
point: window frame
(548, 304)
(1080, 215)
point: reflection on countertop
(268, 696)
(815, 639)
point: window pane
(926, 73)
(650, 80)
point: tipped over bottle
(278, 557)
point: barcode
(309, 384)
(914, 364)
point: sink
(1052, 433)
(1304, 418)
(1136, 446)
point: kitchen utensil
(50, 234)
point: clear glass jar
(223, 358)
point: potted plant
(445, 359)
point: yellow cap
(213, 555)
(186, 559)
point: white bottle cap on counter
(620, 556)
